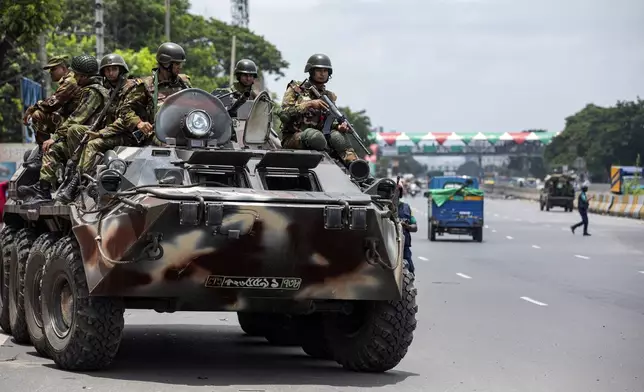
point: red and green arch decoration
(457, 140)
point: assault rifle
(72, 163)
(335, 114)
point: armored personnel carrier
(306, 251)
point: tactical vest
(105, 95)
(312, 118)
(165, 90)
(110, 116)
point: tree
(602, 136)
(21, 23)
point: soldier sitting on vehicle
(246, 74)
(143, 100)
(68, 136)
(48, 114)
(114, 70)
(303, 117)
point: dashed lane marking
(533, 301)
(536, 246)
(423, 258)
(582, 257)
(493, 231)
(463, 276)
(487, 227)
(508, 237)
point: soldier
(114, 70)
(303, 117)
(67, 136)
(245, 73)
(139, 107)
(48, 114)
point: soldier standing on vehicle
(303, 117)
(409, 226)
(144, 99)
(68, 135)
(48, 114)
(582, 206)
(114, 70)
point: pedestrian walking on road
(582, 206)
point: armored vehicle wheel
(314, 341)
(7, 236)
(376, 336)
(282, 330)
(82, 332)
(253, 324)
(22, 245)
(33, 279)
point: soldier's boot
(41, 193)
(68, 194)
(36, 162)
(28, 190)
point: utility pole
(42, 54)
(100, 29)
(232, 60)
(167, 20)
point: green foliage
(603, 136)
(140, 62)
(632, 186)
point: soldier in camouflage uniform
(139, 109)
(245, 73)
(114, 70)
(303, 117)
(47, 115)
(67, 137)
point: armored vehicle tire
(7, 236)
(376, 337)
(282, 330)
(252, 323)
(82, 332)
(314, 342)
(33, 278)
(23, 242)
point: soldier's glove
(315, 104)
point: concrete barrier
(628, 206)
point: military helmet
(318, 60)
(245, 66)
(170, 52)
(113, 59)
(85, 65)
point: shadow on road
(222, 356)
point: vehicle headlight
(117, 164)
(198, 123)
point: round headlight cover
(198, 123)
(117, 164)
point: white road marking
(463, 276)
(4, 338)
(496, 214)
(505, 217)
(582, 257)
(493, 231)
(641, 272)
(518, 219)
(533, 301)
(423, 258)
(487, 227)
(565, 228)
(536, 246)
(508, 237)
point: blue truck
(455, 206)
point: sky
(459, 65)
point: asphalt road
(532, 308)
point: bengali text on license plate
(253, 282)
